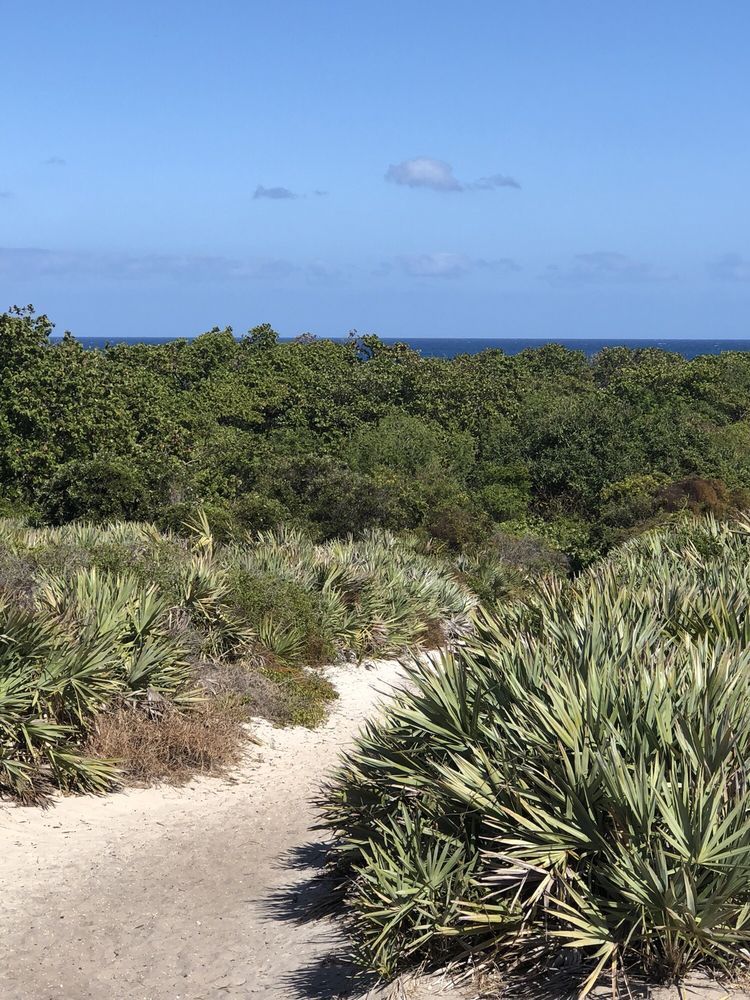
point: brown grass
(173, 748)
(434, 635)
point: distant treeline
(337, 438)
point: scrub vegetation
(129, 652)
(573, 777)
(478, 453)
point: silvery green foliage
(573, 776)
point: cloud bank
(32, 262)
(730, 267)
(426, 172)
(445, 265)
(602, 267)
(274, 193)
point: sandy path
(187, 892)
(198, 892)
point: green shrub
(254, 512)
(98, 488)
(280, 608)
(299, 697)
(458, 526)
(574, 776)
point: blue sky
(412, 168)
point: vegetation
(574, 776)
(191, 529)
(334, 439)
(125, 651)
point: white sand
(197, 892)
(182, 892)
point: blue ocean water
(449, 347)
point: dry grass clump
(171, 748)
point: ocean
(449, 347)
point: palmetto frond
(587, 754)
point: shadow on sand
(566, 985)
(315, 898)
(313, 895)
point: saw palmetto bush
(573, 776)
(85, 642)
(375, 595)
(108, 628)
(49, 688)
(133, 620)
(91, 643)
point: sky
(416, 168)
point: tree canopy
(341, 437)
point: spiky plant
(47, 689)
(575, 776)
(132, 619)
(203, 593)
(122, 612)
(286, 643)
(377, 595)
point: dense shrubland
(335, 439)
(121, 641)
(190, 529)
(574, 776)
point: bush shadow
(316, 898)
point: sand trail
(191, 892)
(205, 891)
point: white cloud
(426, 172)
(448, 265)
(423, 171)
(730, 267)
(604, 266)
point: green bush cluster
(97, 618)
(573, 776)
(380, 594)
(342, 438)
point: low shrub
(296, 697)
(283, 609)
(378, 595)
(102, 626)
(573, 776)
(285, 695)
